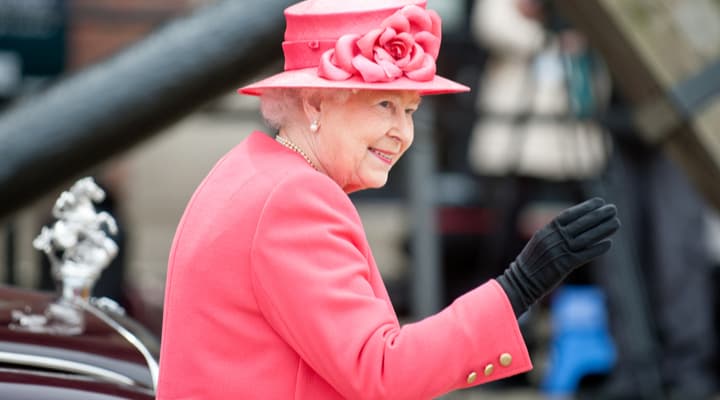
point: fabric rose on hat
(406, 44)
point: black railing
(106, 109)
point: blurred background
(611, 98)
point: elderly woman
(272, 289)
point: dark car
(109, 357)
(66, 344)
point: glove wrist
(518, 289)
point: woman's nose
(403, 131)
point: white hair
(284, 106)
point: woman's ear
(312, 105)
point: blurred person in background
(272, 290)
(667, 223)
(545, 102)
(527, 143)
(666, 218)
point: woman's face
(361, 138)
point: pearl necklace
(292, 146)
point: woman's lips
(383, 156)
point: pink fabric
(273, 293)
(305, 54)
(360, 44)
(406, 43)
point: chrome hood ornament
(77, 244)
(79, 249)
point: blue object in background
(581, 344)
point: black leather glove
(576, 236)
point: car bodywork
(110, 357)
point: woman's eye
(410, 111)
(385, 104)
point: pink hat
(360, 44)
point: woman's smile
(383, 156)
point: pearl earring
(314, 126)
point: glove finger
(595, 234)
(593, 251)
(590, 220)
(579, 210)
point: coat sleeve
(311, 281)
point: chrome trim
(63, 366)
(107, 304)
(149, 359)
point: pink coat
(273, 293)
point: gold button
(505, 359)
(489, 369)
(472, 377)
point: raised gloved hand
(576, 236)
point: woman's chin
(376, 182)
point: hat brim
(308, 78)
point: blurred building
(151, 182)
(42, 41)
